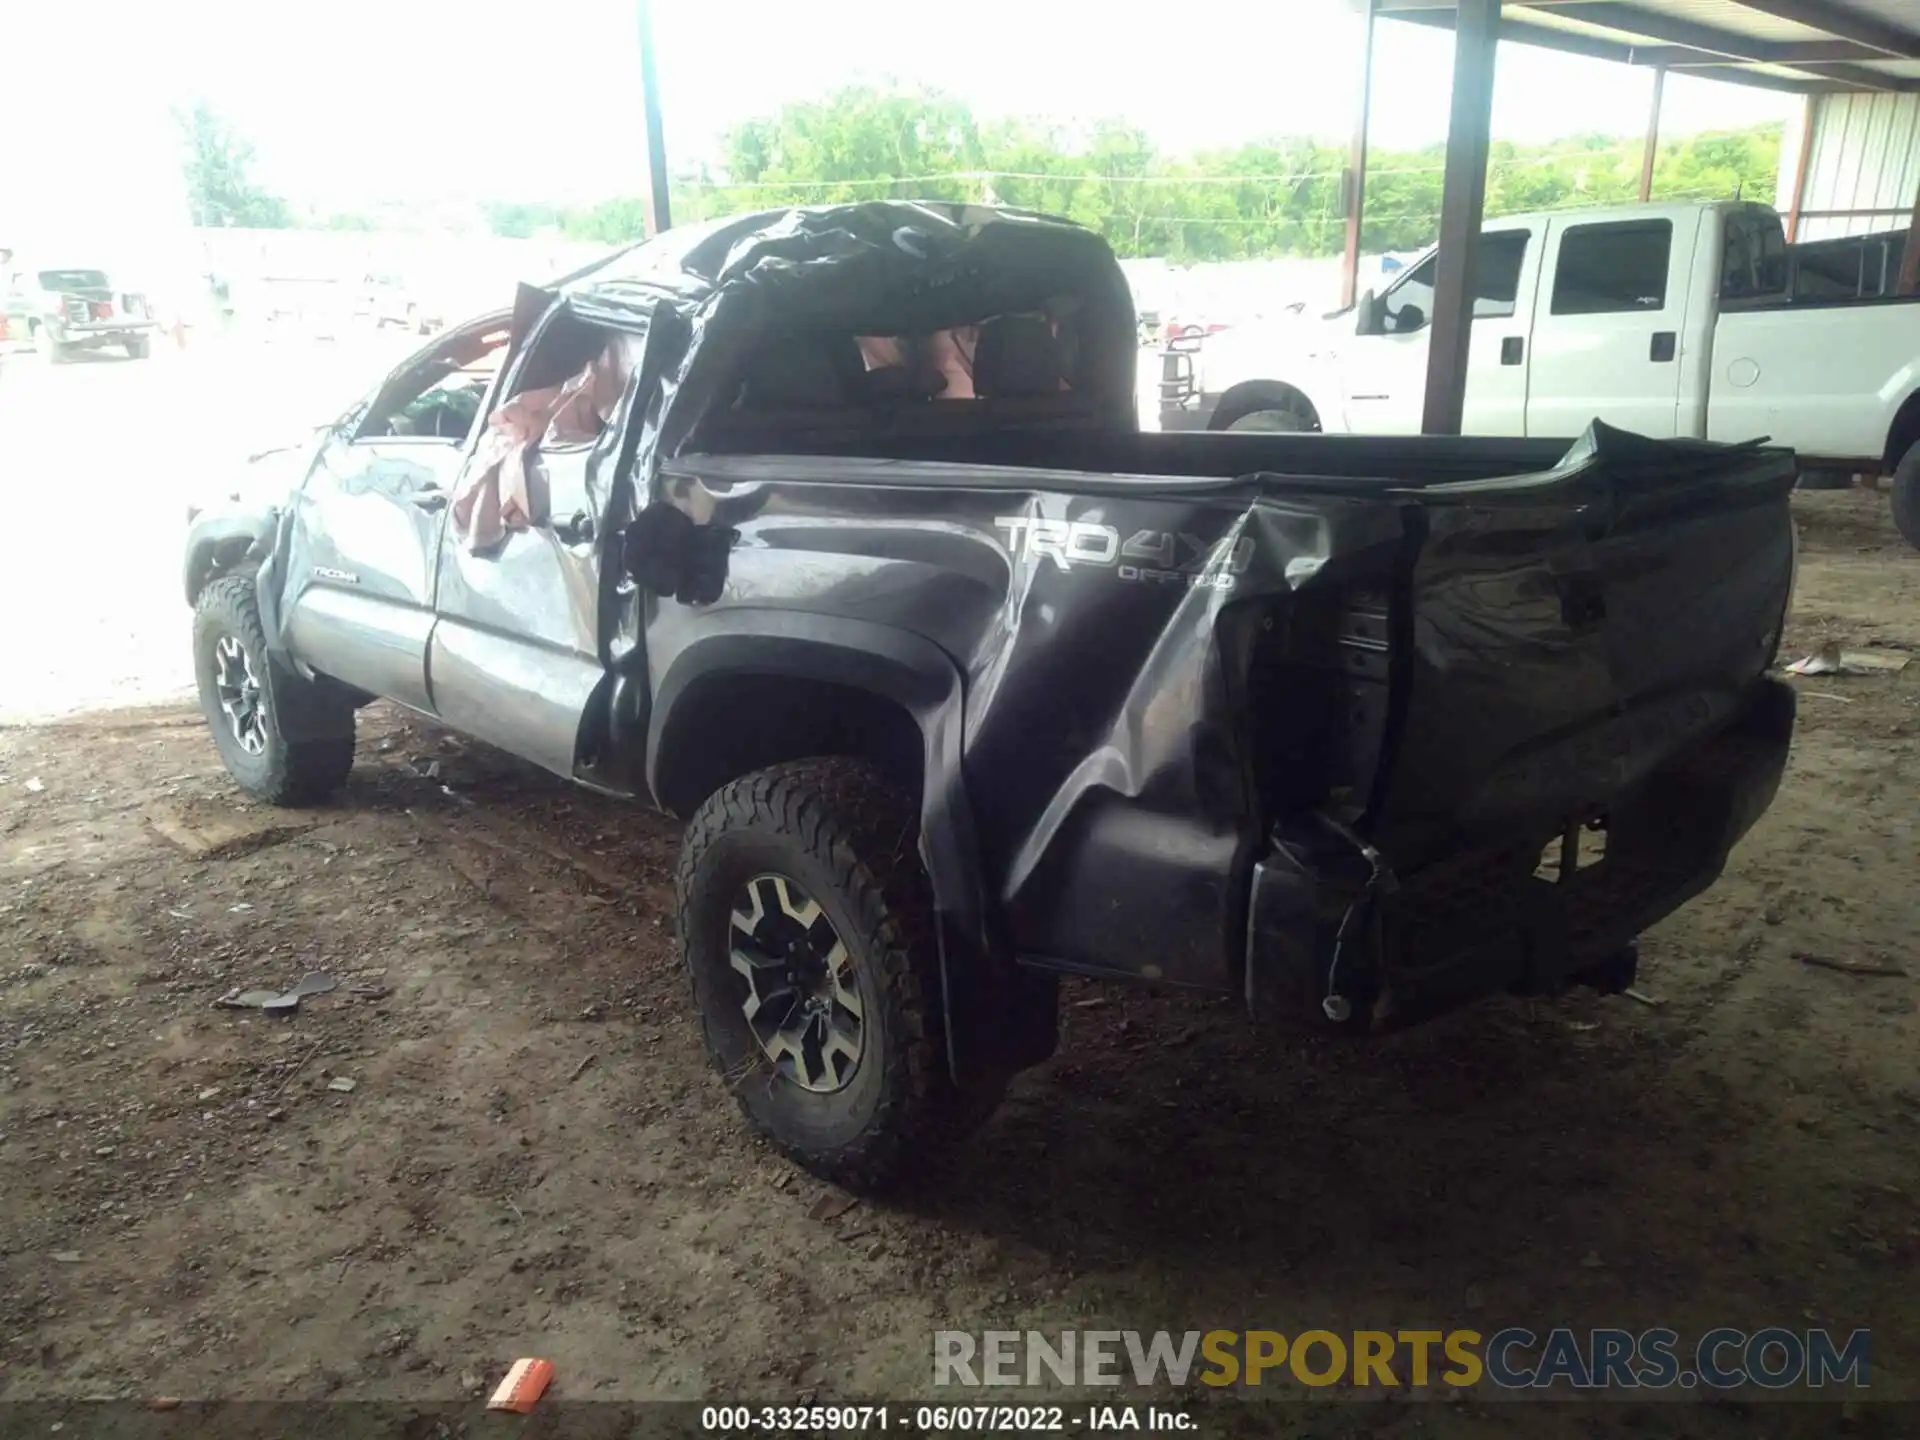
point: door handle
(1513, 350)
(575, 531)
(1662, 349)
(428, 499)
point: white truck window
(1409, 305)
(1497, 274)
(1608, 269)
(1753, 261)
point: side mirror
(1408, 318)
(1368, 320)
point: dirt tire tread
(296, 773)
(864, 830)
(1906, 497)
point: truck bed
(1188, 658)
(1831, 378)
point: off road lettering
(1163, 556)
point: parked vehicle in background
(389, 300)
(1667, 320)
(61, 311)
(849, 550)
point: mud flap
(316, 709)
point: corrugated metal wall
(1866, 156)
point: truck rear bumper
(102, 332)
(1484, 920)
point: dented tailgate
(1570, 631)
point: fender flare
(1332, 420)
(209, 533)
(917, 675)
(290, 693)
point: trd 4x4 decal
(1154, 557)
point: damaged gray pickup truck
(833, 531)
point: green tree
(216, 161)
(861, 142)
(1270, 197)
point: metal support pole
(1355, 196)
(1475, 34)
(1652, 148)
(1810, 107)
(1909, 281)
(659, 210)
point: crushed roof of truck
(715, 295)
(898, 263)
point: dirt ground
(534, 1159)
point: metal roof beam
(1843, 24)
(1614, 15)
(1769, 52)
(1631, 18)
(1861, 78)
(1573, 43)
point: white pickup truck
(1662, 319)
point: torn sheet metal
(1171, 677)
(1178, 659)
(1183, 701)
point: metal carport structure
(1834, 52)
(1811, 47)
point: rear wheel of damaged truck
(230, 662)
(807, 923)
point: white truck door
(1607, 324)
(1385, 375)
(1506, 271)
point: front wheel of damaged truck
(806, 921)
(230, 662)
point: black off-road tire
(1906, 497)
(138, 347)
(1272, 420)
(281, 772)
(54, 352)
(849, 839)
(1267, 410)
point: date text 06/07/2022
(942, 1419)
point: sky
(358, 101)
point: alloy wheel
(242, 700)
(802, 1002)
